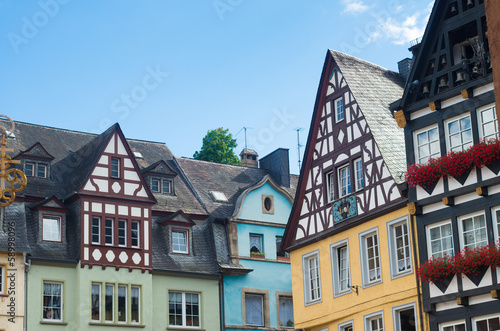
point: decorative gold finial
(14, 177)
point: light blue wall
(251, 208)
(268, 233)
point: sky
(171, 70)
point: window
(267, 204)
(344, 181)
(35, 169)
(330, 178)
(52, 301)
(179, 241)
(339, 109)
(358, 168)
(116, 299)
(399, 247)
(486, 323)
(115, 167)
(374, 322)
(278, 246)
(51, 228)
(473, 230)
(108, 231)
(184, 309)
(496, 222)
(459, 134)
(285, 311)
(312, 281)
(370, 253)
(340, 266)
(487, 118)
(440, 240)
(255, 243)
(96, 302)
(161, 185)
(453, 326)
(404, 318)
(3, 282)
(346, 326)
(426, 145)
(254, 309)
(96, 230)
(155, 185)
(134, 234)
(122, 232)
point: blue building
(249, 207)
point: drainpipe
(27, 265)
(221, 300)
(419, 296)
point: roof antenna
(244, 128)
(298, 143)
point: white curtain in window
(253, 310)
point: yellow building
(349, 233)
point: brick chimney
(249, 158)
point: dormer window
(35, 169)
(159, 185)
(51, 228)
(180, 241)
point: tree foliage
(218, 147)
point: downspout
(419, 294)
(221, 300)
(27, 266)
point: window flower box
(454, 164)
(258, 255)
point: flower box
(258, 255)
(283, 258)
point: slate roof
(374, 89)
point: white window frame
(112, 287)
(369, 317)
(61, 284)
(330, 186)
(416, 146)
(348, 186)
(314, 255)
(482, 318)
(452, 323)
(396, 317)
(363, 236)
(138, 234)
(334, 253)
(339, 109)
(358, 169)
(45, 236)
(481, 124)
(183, 300)
(112, 231)
(428, 228)
(460, 220)
(32, 172)
(393, 254)
(3, 279)
(345, 325)
(185, 232)
(36, 167)
(124, 233)
(463, 145)
(98, 228)
(496, 222)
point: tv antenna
(298, 143)
(244, 128)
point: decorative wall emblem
(12, 180)
(344, 208)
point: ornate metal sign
(11, 180)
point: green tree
(218, 147)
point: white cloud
(354, 6)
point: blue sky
(170, 71)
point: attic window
(219, 196)
(36, 169)
(138, 155)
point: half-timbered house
(448, 113)
(348, 234)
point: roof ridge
(215, 163)
(361, 60)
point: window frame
(139, 301)
(363, 236)
(115, 173)
(393, 255)
(3, 279)
(98, 228)
(344, 325)
(428, 229)
(369, 317)
(112, 287)
(348, 180)
(330, 186)
(265, 304)
(452, 323)
(461, 228)
(125, 230)
(305, 275)
(283, 295)
(35, 168)
(125, 310)
(460, 132)
(336, 281)
(339, 109)
(114, 303)
(416, 133)
(162, 185)
(60, 225)
(53, 320)
(112, 236)
(183, 310)
(481, 124)
(98, 302)
(185, 232)
(396, 319)
(32, 172)
(475, 319)
(261, 240)
(495, 219)
(358, 168)
(138, 234)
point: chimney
(404, 67)
(249, 158)
(277, 164)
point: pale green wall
(209, 296)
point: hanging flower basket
(454, 164)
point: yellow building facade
(12, 292)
